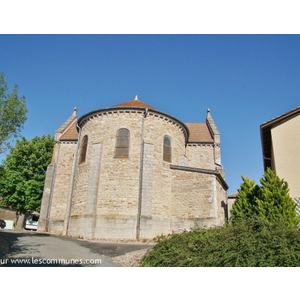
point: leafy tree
(12, 114)
(25, 171)
(2, 173)
(270, 201)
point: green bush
(271, 201)
(247, 243)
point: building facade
(280, 139)
(131, 171)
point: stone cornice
(66, 141)
(198, 143)
(106, 111)
(204, 171)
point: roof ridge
(286, 114)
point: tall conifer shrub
(270, 201)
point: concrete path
(32, 249)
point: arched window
(83, 149)
(122, 144)
(167, 150)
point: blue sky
(245, 80)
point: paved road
(32, 249)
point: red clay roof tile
(134, 103)
(199, 132)
(71, 133)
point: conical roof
(134, 103)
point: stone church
(130, 171)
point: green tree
(2, 173)
(25, 171)
(274, 202)
(244, 205)
(270, 201)
(12, 114)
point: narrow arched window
(167, 150)
(122, 144)
(83, 149)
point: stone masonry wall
(105, 194)
(62, 185)
(156, 128)
(196, 197)
(147, 186)
(118, 181)
(193, 195)
(118, 191)
(200, 156)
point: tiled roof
(71, 133)
(64, 128)
(199, 132)
(234, 195)
(134, 103)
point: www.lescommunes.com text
(49, 261)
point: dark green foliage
(12, 114)
(25, 169)
(2, 173)
(274, 203)
(253, 242)
(244, 206)
(270, 201)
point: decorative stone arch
(122, 143)
(167, 149)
